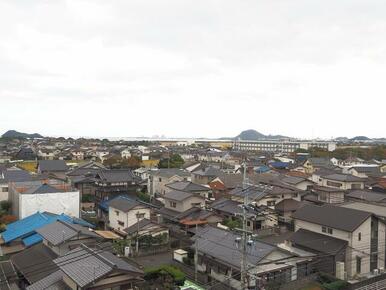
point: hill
(255, 135)
(16, 134)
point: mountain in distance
(360, 138)
(16, 134)
(253, 135)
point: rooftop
(341, 218)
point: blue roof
(279, 164)
(26, 227)
(104, 205)
(262, 168)
(32, 240)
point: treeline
(377, 152)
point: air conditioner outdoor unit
(375, 271)
(381, 270)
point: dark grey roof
(320, 161)
(227, 206)
(220, 244)
(29, 262)
(123, 203)
(345, 219)
(195, 213)
(343, 177)
(366, 169)
(60, 231)
(169, 172)
(117, 175)
(85, 265)
(288, 205)
(16, 175)
(293, 180)
(41, 189)
(47, 282)
(367, 195)
(317, 242)
(7, 275)
(208, 171)
(187, 186)
(178, 195)
(52, 165)
(142, 225)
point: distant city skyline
(304, 69)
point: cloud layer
(193, 68)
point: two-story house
(342, 181)
(158, 179)
(360, 233)
(180, 201)
(125, 212)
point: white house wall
(57, 203)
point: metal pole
(137, 242)
(244, 234)
(196, 255)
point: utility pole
(196, 255)
(244, 234)
(137, 241)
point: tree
(175, 161)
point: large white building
(280, 146)
(30, 197)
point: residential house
(366, 196)
(159, 179)
(325, 194)
(363, 232)
(205, 175)
(115, 182)
(125, 212)
(62, 236)
(312, 164)
(342, 181)
(9, 175)
(365, 171)
(180, 201)
(301, 183)
(189, 186)
(146, 227)
(84, 268)
(57, 168)
(198, 216)
(219, 256)
(23, 233)
(47, 195)
(26, 153)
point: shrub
(164, 270)
(337, 285)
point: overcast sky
(207, 68)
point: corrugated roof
(92, 266)
(29, 262)
(32, 240)
(53, 278)
(220, 244)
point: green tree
(175, 161)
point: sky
(193, 68)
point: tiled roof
(345, 219)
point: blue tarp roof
(279, 164)
(26, 227)
(32, 240)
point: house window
(121, 223)
(334, 184)
(117, 213)
(172, 204)
(271, 203)
(140, 215)
(324, 229)
(359, 236)
(196, 204)
(359, 264)
(329, 230)
(160, 179)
